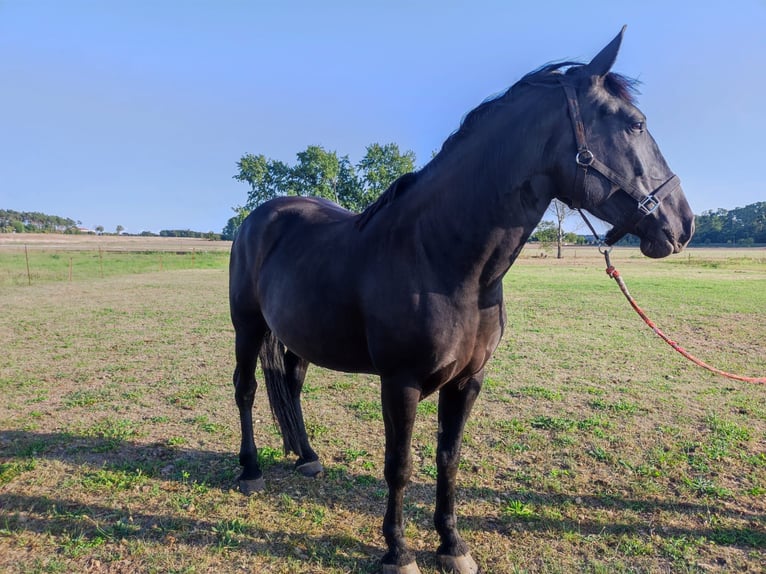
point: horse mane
(619, 86)
(548, 75)
(622, 87)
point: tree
(316, 174)
(99, 229)
(33, 222)
(350, 188)
(379, 167)
(546, 233)
(560, 211)
(740, 226)
(119, 229)
(320, 173)
(234, 222)
(267, 178)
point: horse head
(618, 171)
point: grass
(593, 447)
(31, 258)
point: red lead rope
(614, 274)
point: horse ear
(604, 60)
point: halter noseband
(647, 203)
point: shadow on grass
(157, 460)
(74, 522)
(363, 493)
(80, 526)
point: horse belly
(318, 328)
(328, 348)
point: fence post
(26, 256)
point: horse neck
(484, 199)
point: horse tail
(281, 399)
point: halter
(647, 203)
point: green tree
(234, 222)
(546, 232)
(573, 238)
(380, 166)
(349, 188)
(316, 174)
(320, 173)
(740, 226)
(267, 178)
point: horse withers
(411, 288)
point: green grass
(367, 410)
(64, 258)
(592, 448)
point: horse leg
(295, 373)
(400, 401)
(247, 343)
(455, 403)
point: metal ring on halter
(585, 157)
(648, 204)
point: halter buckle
(648, 204)
(585, 157)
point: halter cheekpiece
(585, 159)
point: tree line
(318, 172)
(34, 222)
(740, 226)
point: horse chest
(455, 346)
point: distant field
(61, 242)
(594, 447)
(34, 258)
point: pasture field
(593, 448)
(34, 258)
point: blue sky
(135, 113)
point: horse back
(293, 265)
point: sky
(135, 112)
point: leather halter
(585, 159)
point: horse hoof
(248, 487)
(313, 469)
(411, 568)
(458, 564)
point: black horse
(411, 289)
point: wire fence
(43, 262)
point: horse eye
(637, 127)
